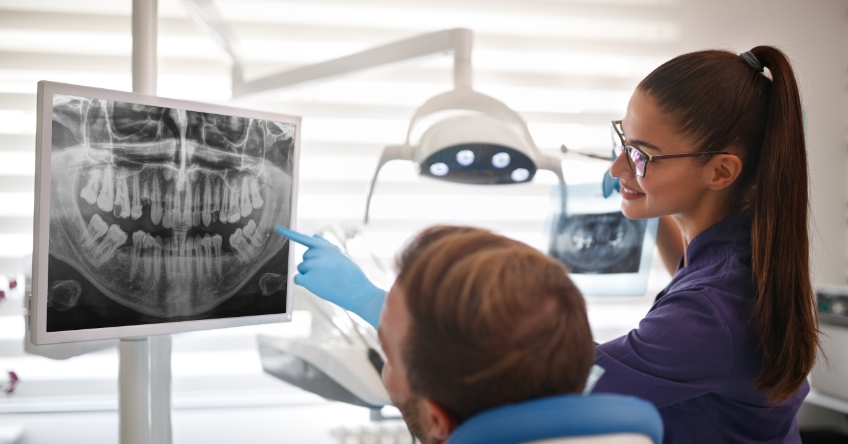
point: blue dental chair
(567, 419)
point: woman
(715, 148)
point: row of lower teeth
(103, 241)
(182, 255)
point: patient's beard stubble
(412, 415)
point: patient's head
(474, 321)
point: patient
(475, 321)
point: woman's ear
(439, 423)
(723, 170)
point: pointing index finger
(300, 238)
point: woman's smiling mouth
(630, 193)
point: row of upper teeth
(185, 203)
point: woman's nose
(621, 169)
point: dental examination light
(459, 136)
(463, 136)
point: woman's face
(670, 186)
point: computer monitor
(157, 216)
(606, 253)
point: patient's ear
(440, 424)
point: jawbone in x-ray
(161, 215)
(605, 252)
(599, 243)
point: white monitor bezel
(37, 306)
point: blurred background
(567, 66)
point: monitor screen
(159, 215)
(606, 253)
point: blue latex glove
(327, 272)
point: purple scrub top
(695, 355)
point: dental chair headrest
(562, 417)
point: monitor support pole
(144, 377)
(134, 391)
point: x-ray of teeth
(599, 243)
(605, 252)
(160, 215)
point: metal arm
(203, 13)
(458, 41)
(397, 152)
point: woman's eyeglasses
(638, 159)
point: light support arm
(462, 41)
(457, 41)
(394, 152)
(203, 13)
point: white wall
(814, 34)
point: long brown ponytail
(719, 101)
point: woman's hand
(328, 273)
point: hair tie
(752, 60)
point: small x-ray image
(599, 243)
(605, 252)
(163, 215)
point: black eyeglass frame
(618, 131)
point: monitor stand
(144, 380)
(144, 390)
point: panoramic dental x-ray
(161, 215)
